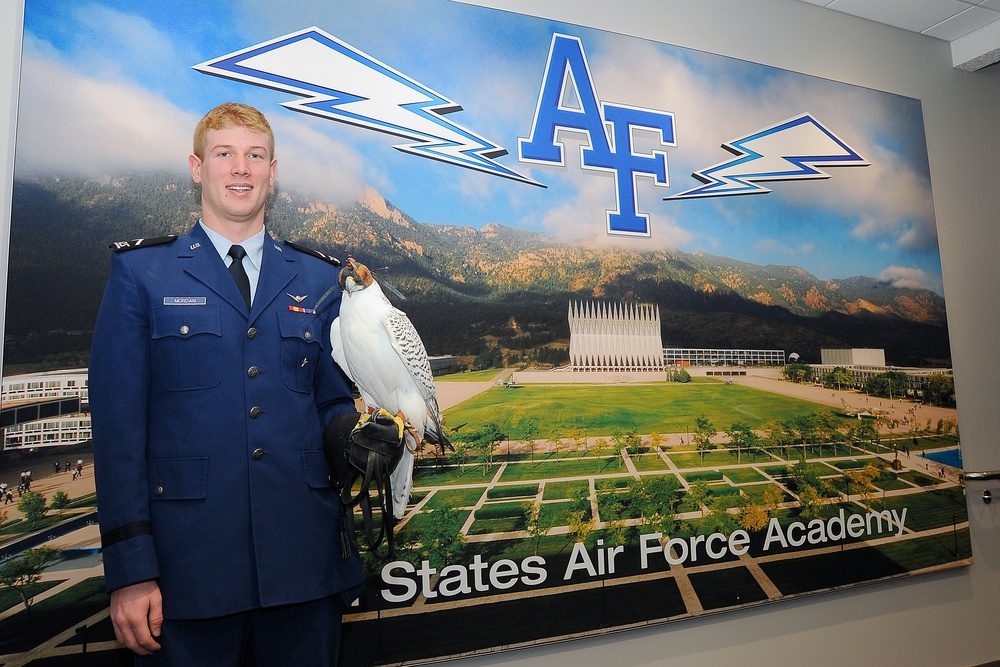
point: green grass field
(559, 410)
(469, 376)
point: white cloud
(312, 162)
(901, 276)
(69, 123)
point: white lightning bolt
(788, 151)
(344, 84)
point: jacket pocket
(178, 479)
(186, 346)
(316, 470)
(300, 349)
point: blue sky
(108, 86)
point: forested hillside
(475, 289)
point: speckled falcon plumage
(380, 350)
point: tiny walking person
(207, 389)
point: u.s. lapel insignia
(194, 245)
(298, 299)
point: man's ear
(194, 164)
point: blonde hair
(231, 114)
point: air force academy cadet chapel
(610, 337)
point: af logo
(336, 81)
(568, 102)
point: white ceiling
(972, 27)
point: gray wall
(948, 618)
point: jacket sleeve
(119, 377)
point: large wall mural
(527, 188)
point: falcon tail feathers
(434, 434)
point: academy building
(865, 363)
(686, 356)
(44, 409)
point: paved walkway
(452, 392)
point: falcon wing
(411, 351)
(406, 341)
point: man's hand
(137, 614)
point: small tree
(778, 435)
(442, 540)
(461, 455)
(700, 493)
(810, 502)
(580, 527)
(656, 498)
(626, 443)
(862, 482)
(865, 433)
(753, 514)
(59, 501)
(484, 441)
(33, 506)
(742, 437)
(604, 448)
(581, 522)
(19, 573)
(704, 431)
(538, 524)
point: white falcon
(380, 350)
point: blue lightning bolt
(788, 151)
(343, 84)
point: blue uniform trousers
(297, 635)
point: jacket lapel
(277, 269)
(203, 263)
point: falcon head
(355, 276)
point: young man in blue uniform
(211, 384)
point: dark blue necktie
(239, 273)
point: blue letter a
(567, 67)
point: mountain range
(467, 287)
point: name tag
(185, 300)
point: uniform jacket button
(258, 454)
(254, 412)
(158, 490)
(253, 372)
(252, 333)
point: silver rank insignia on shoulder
(120, 246)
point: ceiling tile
(914, 15)
(962, 24)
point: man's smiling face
(236, 176)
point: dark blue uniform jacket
(208, 429)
